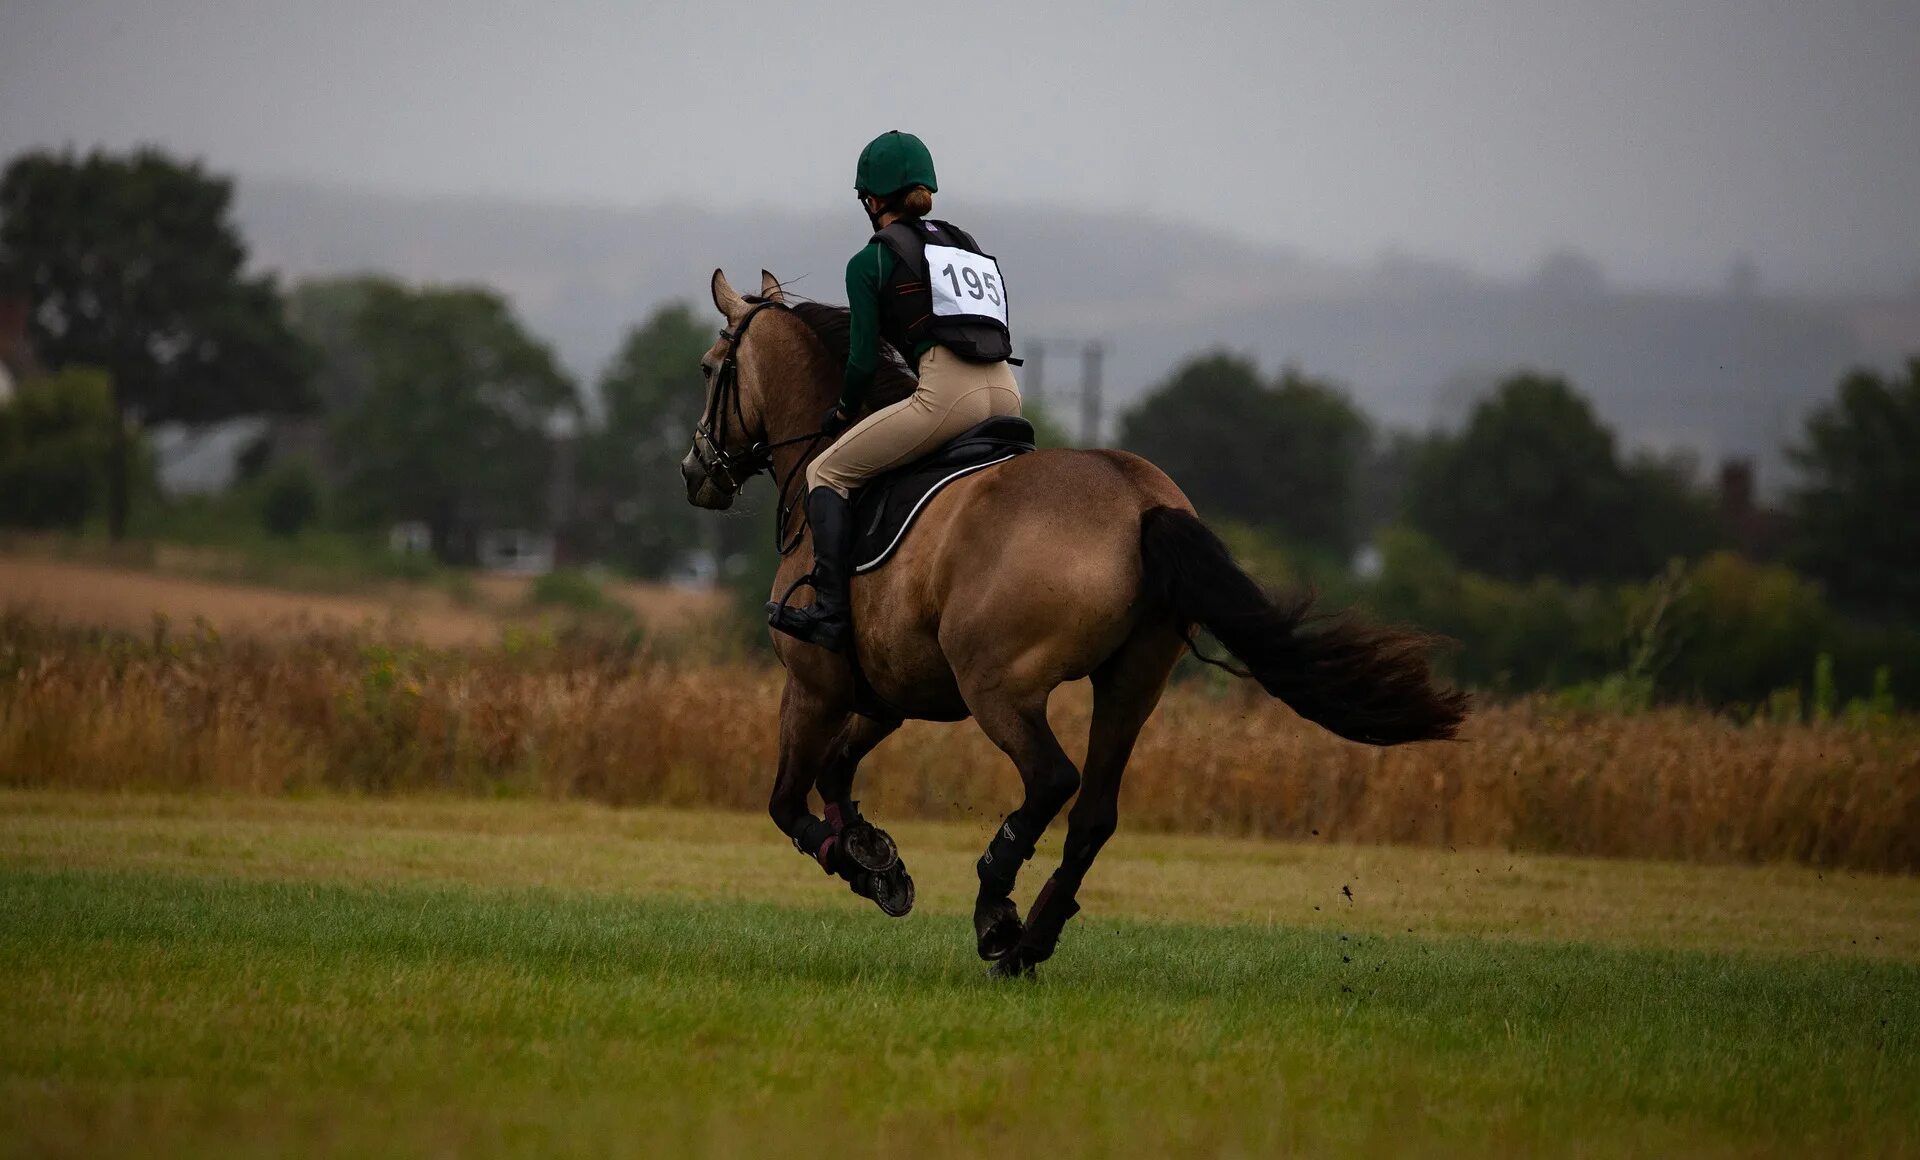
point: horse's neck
(796, 415)
(796, 418)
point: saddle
(885, 509)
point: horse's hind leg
(1125, 691)
(1019, 727)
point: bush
(289, 499)
(1510, 638)
(572, 589)
(1725, 632)
(1743, 630)
(54, 436)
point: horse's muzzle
(701, 490)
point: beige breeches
(954, 394)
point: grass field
(183, 976)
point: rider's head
(895, 176)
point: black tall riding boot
(826, 622)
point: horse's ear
(726, 299)
(770, 288)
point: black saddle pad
(885, 509)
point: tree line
(435, 405)
(427, 404)
(1553, 558)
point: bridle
(727, 469)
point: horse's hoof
(1013, 965)
(869, 847)
(892, 891)
(997, 928)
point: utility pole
(1087, 395)
(562, 430)
(1090, 356)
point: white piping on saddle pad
(915, 513)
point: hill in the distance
(1724, 372)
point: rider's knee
(820, 473)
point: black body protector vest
(943, 289)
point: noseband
(729, 469)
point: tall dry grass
(580, 717)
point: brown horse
(1051, 567)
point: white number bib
(966, 283)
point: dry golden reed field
(587, 716)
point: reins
(728, 470)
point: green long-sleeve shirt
(867, 274)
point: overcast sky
(1665, 138)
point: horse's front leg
(822, 745)
(857, 840)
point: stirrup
(804, 580)
(804, 626)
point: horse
(1055, 566)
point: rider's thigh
(953, 395)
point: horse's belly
(900, 650)
(913, 676)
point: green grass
(148, 1008)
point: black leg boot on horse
(828, 621)
(864, 855)
(849, 847)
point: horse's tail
(1364, 682)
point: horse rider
(926, 288)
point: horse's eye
(706, 370)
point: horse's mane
(833, 325)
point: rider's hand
(835, 420)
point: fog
(1665, 140)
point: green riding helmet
(892, 162)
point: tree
(53, 439)
(1283, 457)
(1531, 488)
(327, 314)
(651, 394)
(1853, 513)
(133, 265)
(451, 424)
(1673, 516)
(289, 499)
(1320, 441)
